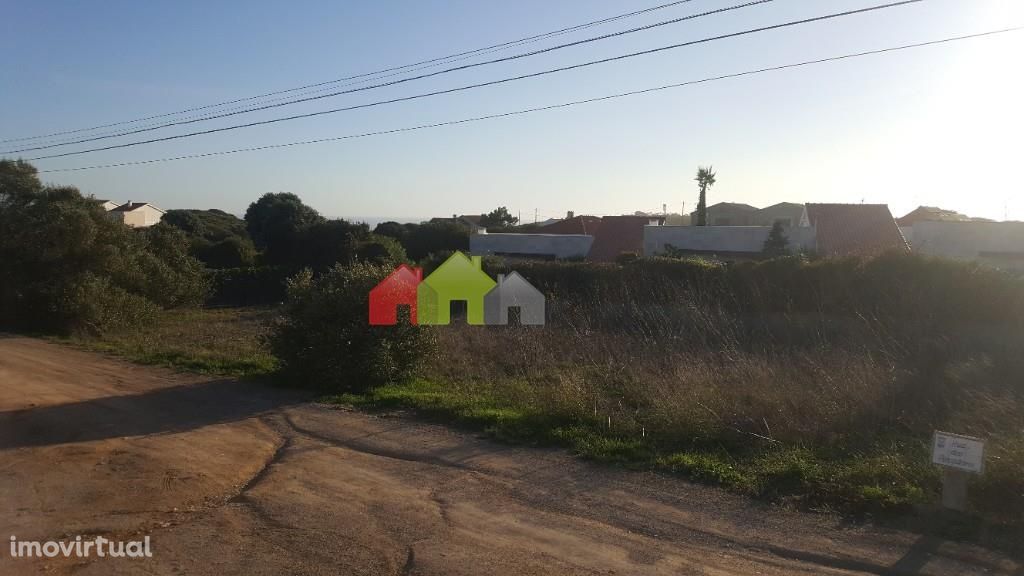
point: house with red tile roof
(471, 221)
(930, 214)
(619, 235)
(573, 225)
(853, 229)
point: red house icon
(397, 289)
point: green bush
(254, 286)
(216, 238)
(384, 250)
(324, 340)
(66, 266)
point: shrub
(254, 286)
(384, 250)
(217, 239)
(66, 266)
(324, 339)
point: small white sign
(959, 452)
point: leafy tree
(275, 222)
(216, 238)
(66, 266)
(324, 244)
(498, 218)
(421, 240)
(432, 237)
(18, 179)
(393, 230)
(383, 250)
(705, 179)
(231, 252)
(171, 277)
(777, 244)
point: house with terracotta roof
(930, 214)
(911, 221)
(823, 229)
(470, 221)
(137, 214)
(573, 225)
(620, 235)
(853, 229)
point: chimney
(570, 215)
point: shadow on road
(166, 410)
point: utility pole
(534, 215)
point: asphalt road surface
(233, 478)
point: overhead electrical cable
(482, 84)
(436, 61)
(290, 102)
(550, 107)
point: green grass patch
(883, 482)
(222, 342)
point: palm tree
(705, 179)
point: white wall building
(999, 244)
(536, 245)
(721, 240)
(137, 214)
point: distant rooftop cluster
(738, 231)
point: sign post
(960, 456)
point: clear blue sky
(938, 126)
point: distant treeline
(249, 259)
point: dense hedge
(895, 286)
(906, 303)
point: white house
(108, 205)
(137, 214)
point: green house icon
(459, 278)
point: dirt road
(232, 478)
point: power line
(399, 81)
(482, 84)
(550, 107)
(436, 61)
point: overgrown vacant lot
(221, 341)
(817, 385)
